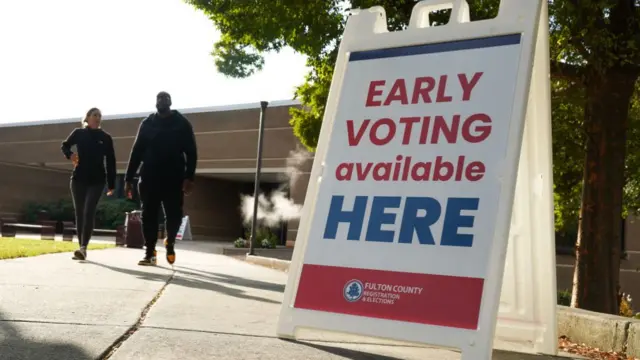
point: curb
(282, 265)
(603, 331)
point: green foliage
(234, 59)
(568, 154)
(596, 35)
(268, 243)
(241, 243)
(111, 212)
(12, 248)
(626, 306)
(632, 166)
(564, 298)
(567, 115)
(307, 121)
(588, 41)
(264, 237)
(251, 28)
(60, 210)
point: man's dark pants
(155, 193)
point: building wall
(22, 184)
(226, 139)
(632, 236)
(298, 185)
(214, 209)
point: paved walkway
(210, 307)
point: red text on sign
(473, 129)
(425, 89)
(405, 168)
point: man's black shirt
(93, 147)
(166, 148)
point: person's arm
(190, 150)
(135, 158)
(111, 164)
(67, 144)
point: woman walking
(93, 147)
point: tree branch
(567, 71)
(585, 14)
(579, 45)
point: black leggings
(85, 201)
(153, 195)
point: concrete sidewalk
(210, 307)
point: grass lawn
(11, 248)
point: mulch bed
(565, 344)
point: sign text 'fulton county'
(419, 214)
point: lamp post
(256, 188)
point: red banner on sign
(451, 301)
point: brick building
(33, 167)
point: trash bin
(120, 235)
(133, 230)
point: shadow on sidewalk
(200, 281)
(346, 353)
(230, 279)
(16, 346)
(361, 355)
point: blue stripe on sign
(470, 44)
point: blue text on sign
(411, 221)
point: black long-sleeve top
(166, 148)
(93, 146)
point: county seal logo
(353, 290)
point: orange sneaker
(171, 252)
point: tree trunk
(598, 247)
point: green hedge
(109, 214)
(264, 237)
(564, 297)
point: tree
(597, 48)
(595, 64)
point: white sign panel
(405, 231)
(184, 233)
(407, 206)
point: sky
(60, 58)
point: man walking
(165, 146)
